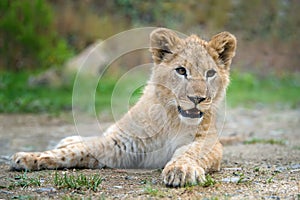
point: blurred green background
(38, 35)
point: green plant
(242, 178)
(148, 189)
(28, 37)
(24, 181)
(77, 182)
(248, 89)
(24, 197)
(209, 181)
(75, 197)
(256, 169)
(265, 141)
(17, 96)
(271, 178)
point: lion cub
(173, 125)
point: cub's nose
(196, 99)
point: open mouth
(191, 113)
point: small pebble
(295, 170)
(129, 177)
(295, 166)
(231, 180)
(273, 197)
(46, 189)
(233, 169)
(154, 181)
(5, 192)
(280, 169)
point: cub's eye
(210, 73)
(181, 70)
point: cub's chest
(183, 136)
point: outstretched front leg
(71, 152)
(190, 162)
(114, 149)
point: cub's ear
(222, 48)
(163, 43)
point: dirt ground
(264, 165)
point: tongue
(191, 113)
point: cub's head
(191, 74)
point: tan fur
(160, 131)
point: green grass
(152, 191)
(246, 89)
(17, 96)
(241, 178)
(77, 182)
(24, 181)
(265, 141)
(209, 181)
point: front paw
(179, 174)
(24, 161)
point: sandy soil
(259, 170)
